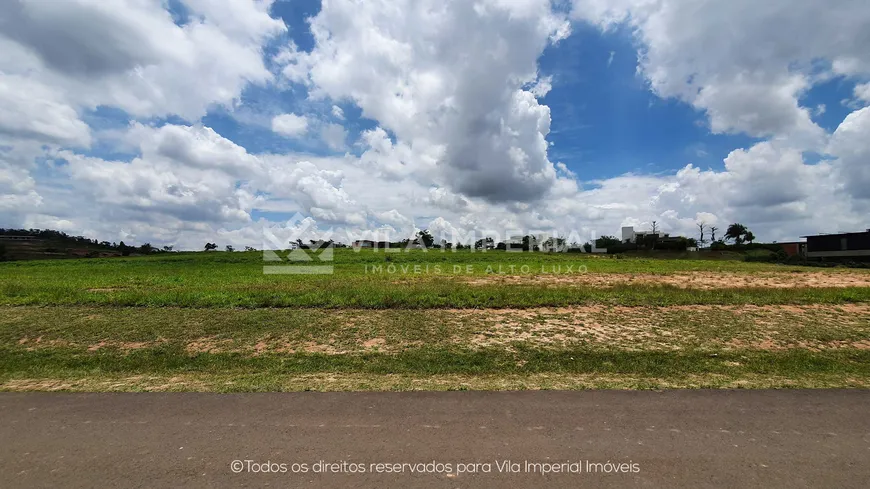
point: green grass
(436, 361)
(237, 280)
(214, 321)
(239, 350)
(167, 363)
(706, 329)
(424, 294)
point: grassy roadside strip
(423, 294)
(248, 382)
(167, 368)
(288, 330)
(109, 348)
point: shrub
(760, 256)
(621, 248)
(607, 242)
(679, 244)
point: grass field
(429, 320)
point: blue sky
(605, 120)
(178, 121)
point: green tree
(736, 232)
(484, 244)
(530, 243)
(607, 241)
(649, 241)
(749, 237)
(210, 246)
(425, 238)
(230, 248)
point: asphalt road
(650, 439)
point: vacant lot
(429, 320)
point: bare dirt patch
(688, 280)
(598, 327)
(211, 344)
(122, 345)
(314, 347)
(817, 327)
(563, 326)
(262, 346)
(118, 384)
(374, 343)
(38, 342)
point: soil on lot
(813, 327)
(816, 327)
(693, 280)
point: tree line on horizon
(736, 233)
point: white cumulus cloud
(746, 64)
(291, 125)
(445, 75)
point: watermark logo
(290, 249)
(285, 252)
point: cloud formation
(453, 134)
(745, 63)
(445, 78)
(291, 125)
(131, 54)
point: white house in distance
(554, 245)
(543, 241)
(629, 235)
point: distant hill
(35, 244)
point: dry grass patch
(209, 345)
(336, 332)
(685, 280)
(40, 343)
(393, 382)
(264, 345)
(135, 383)
(123, 345)
(673, 328)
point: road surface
(689, 439)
